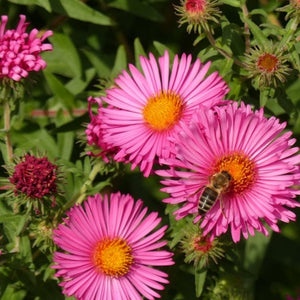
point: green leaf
(200, 277)
(78, 10)
(75, 178)
(138, 51)
(293, 92)
(258, 34)
(285, 102)
(265, 95)
(120, 62)
(234, 3)
(14, 223)
(101, 63)
(232, 39)
(48, 273)
(295, 59)
(289, 33)
(296, 128)
(74, 125)
(235, 88)
(207, 54)
(199, 38)
(65, 144)
(138, 8)
(39, 140)
(4, 210)
(12, 227)
(255, 250)
(43, 3)
(25, 249)
(13, 293)
(225, 68)
(161, 48)
(87, 167)
(62, 95)
(259, 11)
(64, 58)
(78, 84)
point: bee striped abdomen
(207, 199)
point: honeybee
(218, 183)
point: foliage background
(93, 41)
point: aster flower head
(145, 108)
(197, 14)
(34, 179)
(296, 5)
(20, 51)
(292, 9)
(94, 133)
(260, 158)
(200, 249)
(267, 67)
(111, 248)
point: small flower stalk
(267, 67)
(198, 14)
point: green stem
(246, 28)
(7, 131)
(80, 196)
(220, 50)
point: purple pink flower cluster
(178, 118)
(20, 51)
(171, 119)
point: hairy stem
(7, 131)
(246, 28)
(93, 174)
(220, 50)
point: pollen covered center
(163, 111)
(241, 169)
(267, 62)
(112, 256)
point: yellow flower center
(112, 256)
(267, 62)
(241, 169)
(163, 111)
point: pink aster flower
(94, 132)
(110, 250)
(255, 152)
(19, 51)
(146, 107)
